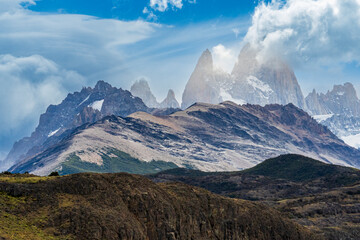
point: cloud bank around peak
(325, 32)
(28, 85)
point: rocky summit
(251, 81)
(87, 106)
(222, 137)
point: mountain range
(221, 137)
(270, 130)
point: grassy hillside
(323, 197)
(124, 206)
(299, 168)
(114, 161)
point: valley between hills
(288, 197)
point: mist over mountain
(251, 81)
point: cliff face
(123, 206)
(250, 82)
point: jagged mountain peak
(347, 90)
(170, 101)
(142, 90)
(342, 99)
(251, 81)
(88, 105)
(102, 86)
(205, 61)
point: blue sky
(51, 47)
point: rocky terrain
(223, 137)
(251, 81)
(123, 206)
(322, 197)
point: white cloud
(28, 86)
(163, 5)
(308, 31)
(224, 58)
(14, 5)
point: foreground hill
(123, 206)
(223, 137)
(323, 197)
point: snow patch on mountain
(322, 118)
(54, 132)
(227, 97)
(97, 105)
(258, 84)
(87, 98)
(352, 140)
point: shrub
(54, 174)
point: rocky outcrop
(170, 101)
(250, 82)
(142, 90)
(87, 106)
(223, 137)
(123, 206)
